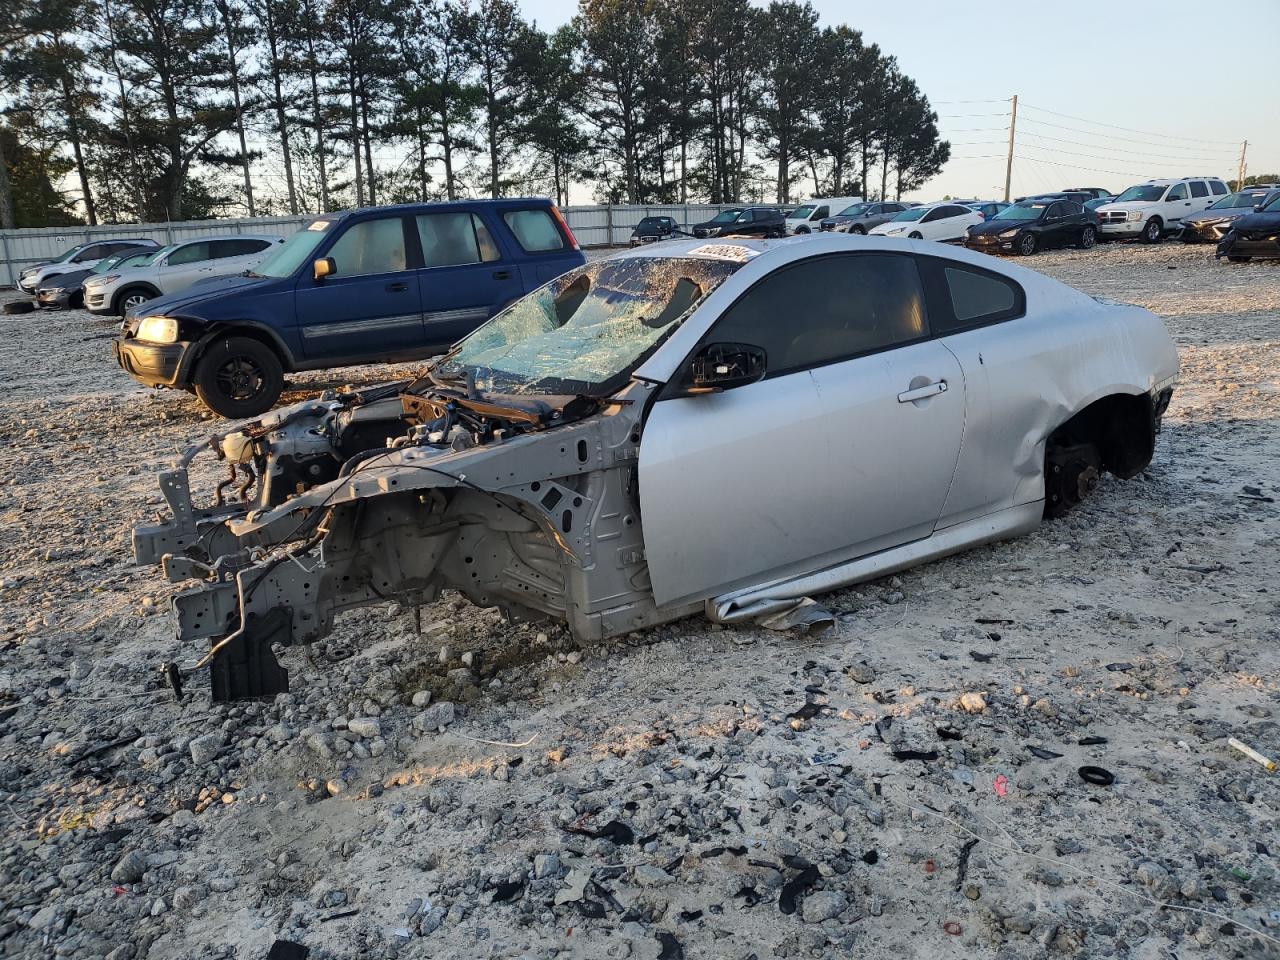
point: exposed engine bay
(397, 492)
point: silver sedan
(727, 428)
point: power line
(1113, 126)
(1058, 151)
(1137, 153)
(1095, 133)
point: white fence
(595, 226)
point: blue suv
(367, 286)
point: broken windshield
(586, 331)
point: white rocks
(321, 744)
(187, 896)
(335, 786)
(434, 717)
(647, 875)
(130, 868)
(205, 749)
(366, 727)
(44, 917)
(222, 884)
(545, 865)
(421, 698)
(1157, 879)
(973, 702)
(823, 905)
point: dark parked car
(1214, 222)
(861, 217)
(988, 208)
(1030, 225)
(1096, 193)
(67, 290)
(653, 229)
(363, 286)
(744, 222)
(1254, 235)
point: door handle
(397, 287)
(502, 274)
(920, 393)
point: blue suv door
(465, 276)
(370, 307)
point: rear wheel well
(1121, 426)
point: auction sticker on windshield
(319, 225)
(724, 251)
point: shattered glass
(585, 332)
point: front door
(369, 308)
(464, 276)
(847, 447)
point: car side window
(820, 213)
(222, 249)
(452, 239)
(1177, 192)
(963, 296)
(843, 305)
(1198, 189)
(934, 214)
(191, 253)
(1056, 209)
(370, 247)
(1218, 188)
(535, 230)
(92, 252)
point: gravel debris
(667, 793)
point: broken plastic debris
(1002, 785)
(953, 928)
(287, 950)
(1043, 754)
(1252, 754)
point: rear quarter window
(534, 230)
(1218, 187)
(962, 297)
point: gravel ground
(485, 790)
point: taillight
(564, 225)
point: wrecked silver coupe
(690, 427)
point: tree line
(162, 110)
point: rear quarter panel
(1027, 376)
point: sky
(1109, 93)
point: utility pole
(1008, 167)
(1240, 177)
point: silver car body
(165, 275)
(662, 502)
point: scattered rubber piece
(19, 306)
(1098, 776)
(1091, 741)
(1043, 754)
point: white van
(1155, 208)
(806, 217)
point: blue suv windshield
(585, 331)
(285, 259)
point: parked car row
(81, 257)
